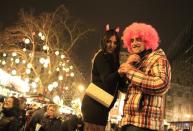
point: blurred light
(14, 54)
(45, 47)
(26, 41)
(17, 60)
(29, 65)
(37, 79)
(55, 84)
(56, 99)
(13, 72)
(66, 88)
(28, 71)
(3, 62)
(57, 69)
(26, 79)
(4, 54)
(71, 67)
(43, 37)
(23, 61)
(187, 115)
(24, 49)
(60, 77)
(57, 53)
(40, 34)
(62, 56)
(34, 85)
(50, 87)
(72, 74)
(81, 88)
(42, 60)
(45, 65)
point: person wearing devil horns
(104, 74)
(148, 70)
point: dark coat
(50, 124)
(9, 123)
(104, 75)
(36, 118)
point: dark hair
(107, 35)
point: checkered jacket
(144, 102)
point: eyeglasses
(137, 39)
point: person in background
(148, 70)
(35, 119)
(104, 74)
(9, 115)
(50, 121)
(22, 113)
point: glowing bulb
(43, 37)
(26, 41)
(71, 67)
(4, 54)
(24, 49)
(40, 34)
(62, 56)
(29, 65)
(37, 79)
(60, 78)
(23, 61)
(42, 60)
(50, 87)
(14, 54)
(34, 85)
(3, 62)
(72, 74)
(57, 69)
(57, 53)
(28, 71)
(17, 60)
(14, 72)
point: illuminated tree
(36, 49)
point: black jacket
(104, 75)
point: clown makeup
(137, 45)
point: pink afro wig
(142, 30)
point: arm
(157, 83)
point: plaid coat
(144, 102)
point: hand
(124, 68)
(133, 58)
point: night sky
(169, 17)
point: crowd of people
(16, 115)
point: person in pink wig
(148, 70)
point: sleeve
(108, 75)
(157, 82)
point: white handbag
(99, 95)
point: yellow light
(13, 72)
(34, 85)
(72, 74)
(3, 62)
(14, 54)
(26, 41)
(17, 60)
(28, 71)
(60, 77)
(4, 54)
(81, 88)
(29, 65)
(57, 53)
(62, 56)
